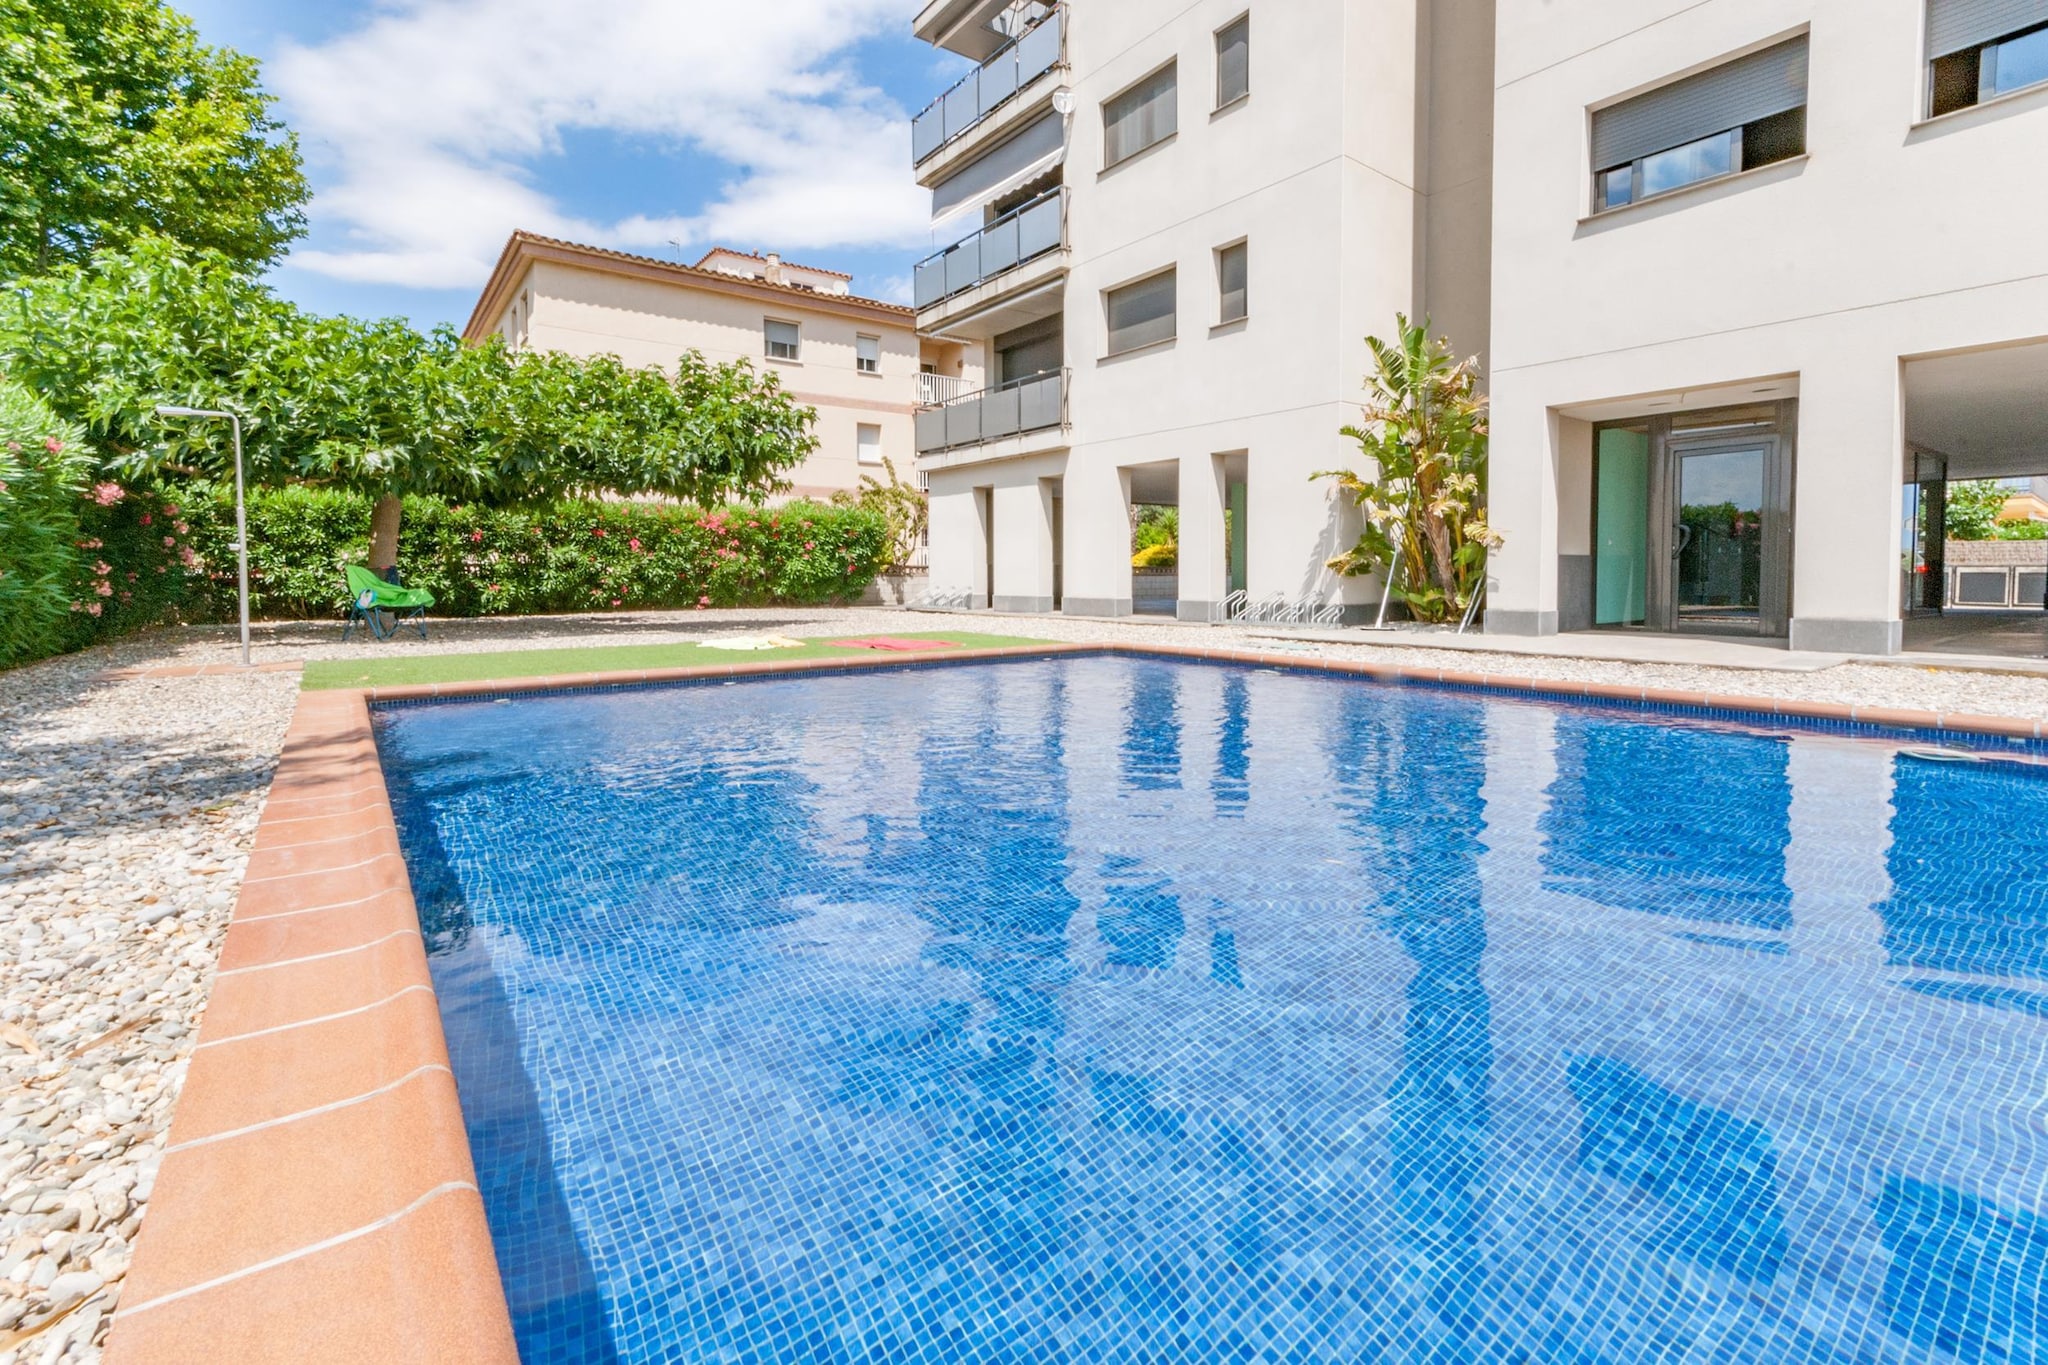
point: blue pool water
(1105, 1009)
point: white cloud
(426, 122)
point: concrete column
(1522, 505)
(1023, 578)
(957, 541)
(1204, 550)
(1848, 505)
(1097, 540)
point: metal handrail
(989, 419)
(1008, 51)
(978, 272)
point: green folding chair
(371, 599)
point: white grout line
(316, 871)
(314, 909)
(314, 1112)
(318, 957)
(307, 1023)
(337, 815)
(316, 843)
(446, 1187)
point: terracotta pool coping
(317, 1201)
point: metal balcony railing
(1021, 405)
(934, 389)
(1024, 233)
(989, 86)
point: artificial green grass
(404, 670)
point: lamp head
(170, 410)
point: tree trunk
(384, 534)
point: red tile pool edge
(317, 1202)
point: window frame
(796, 355)
(863, 364)
(1985, 58)
(1111, 350)
(1245, 21)
(1223, 316)
(1170, 64)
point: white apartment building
(1751, 280)
(1759, 266)
(856, 361)
(1178, 220)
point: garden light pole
(241, 512)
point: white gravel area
(126, 814)
(127, 809)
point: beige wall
(1892, 238)
(594, 312)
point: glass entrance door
(1717, 544)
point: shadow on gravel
(134, 793)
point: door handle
(1684, 539)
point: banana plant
(1422, 494)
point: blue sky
(433, 128)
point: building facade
(1173, 226)
(1751, 280)
(857, 361)
(1763, 281)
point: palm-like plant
(1424, 431)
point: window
(1231, 267)
(1141, 314)
(1738, 116)
(1981, 49)
(1234, 62)
(785, 341)
(867, 354)
(1143, 116)
(870, 444)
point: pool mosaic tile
(1125, 1010)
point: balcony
(1025, 233)
(989, 87)
(1012, 409)
(934, 389)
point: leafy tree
(1425, 434)
(377, 407)
(2021, 528)
(1973, 508)
(116, 122)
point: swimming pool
(1121, 1009)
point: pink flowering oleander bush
(43, 472)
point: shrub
(570, 556)
(42, 478)
(2020, 528)
(1159, 555)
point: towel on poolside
(752, 642)
(894, 642)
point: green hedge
(565, 557)
(130, 557)
(42, 490)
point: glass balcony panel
(1038, 228)
(963, 266)
(999, 248)
(963, 106)
(999, 413)
(931, 282)
(1039, 50)
(1039, 402)
(963, 422)
(998, 82)
(927, 132)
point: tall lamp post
(241, 512)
